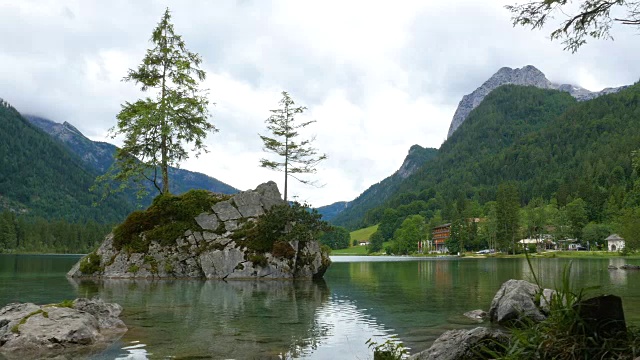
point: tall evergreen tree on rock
(157, 129)
(296, 157)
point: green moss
(133, 269)
(90, 264)
(164, 221)
(258, 260)
(65, 303)
(16, 328)
(168, 268)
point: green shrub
(389, 350)
(284, 223)
(258, 260)
(282, 249)
(90, 264)
(164, 221)
(133, 269)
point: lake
(412, 300)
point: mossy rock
(166, 220)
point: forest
(553, 165)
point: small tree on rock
(297, 157)
(157, 129)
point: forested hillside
(100, 156)
(351, 216)
(40, 178)
(554, 151)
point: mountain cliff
(526, 76)
(99, 156)
(378, 193)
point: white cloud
(378, 77)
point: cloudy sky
(377, 76)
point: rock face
(526, 76)
(515, 301)
(462, 344)
(214, 250)
(32, 331)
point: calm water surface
(404, 299)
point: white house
(614, 242)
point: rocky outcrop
(516, 300)
(67, 329)
(526, 76)
(214, 249)
(463, 344)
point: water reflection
(239, 319)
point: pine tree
(297, 157)
(157, 129)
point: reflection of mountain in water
(217, 319)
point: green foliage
(388, 350)
(296, 157)
(27, 234)
(592, 18)
(629, 228)
(157, 130)
(336, 238)
(258, 259)
(167, 219)
(283, 223)
(283, 250)
(375, 242)
(90, 264)
(133, 269)
(41, 179)
(594, 233)
(407, 236)
(507, 215)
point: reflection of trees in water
(240, 319)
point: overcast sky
(378, 76)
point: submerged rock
(214, 247)
(478, 315)
(69, 329)
(462, 344)
(630, 267)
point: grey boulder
(32, 331)
(462, 344)
(515, 301)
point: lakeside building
(614, 242)
(439, 236)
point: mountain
(40, 177)
(378, 193)
(329, 212)
(99, 156)
(545, 142)
(526, 76)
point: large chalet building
(439, 236)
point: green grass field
(363, 234)
(360, 235)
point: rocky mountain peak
(528, 75)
